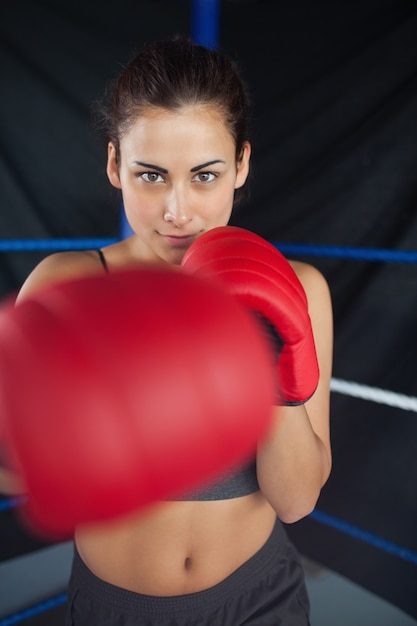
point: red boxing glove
(260, 277)
(119, 390)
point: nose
(177, 210)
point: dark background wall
(334, 89)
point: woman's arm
(10, 484)
(55, 267)
(294, 461)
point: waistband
(260, 564)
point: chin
(174, 257)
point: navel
(187, 563)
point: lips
(180, 241)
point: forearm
(10, 484)
(293, 464)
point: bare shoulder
(313, 281)
(61, 266)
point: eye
(151, 177)
(205, 177)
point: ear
(112, 166)
(243, 165)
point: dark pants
(267, 590)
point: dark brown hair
(172, 74)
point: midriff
(175, 548)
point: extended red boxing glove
(260, 277)
(118, 390)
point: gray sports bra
(240, 482)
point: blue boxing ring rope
(36, 609)
(382, 255)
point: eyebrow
(196, 168)
(152, 167)
(200, 167)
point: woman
(178, 150)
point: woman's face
(178, 173)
